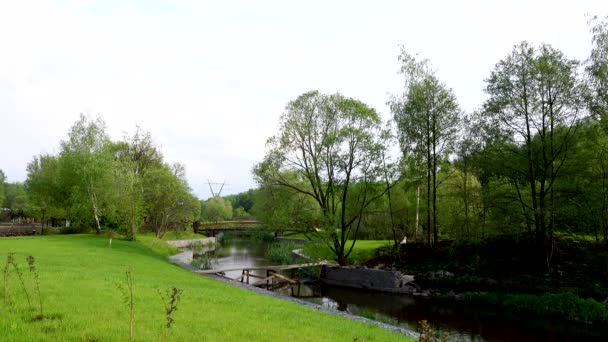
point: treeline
(532, 160)
(94, 182)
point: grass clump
(281, 252)
(363, 250)
(561, 305)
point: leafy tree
(43, 186)
(329, 142)
(134, 156)
(168, 201)
(280, 207)
(243, 199)
(597, 69)
(86, 170)
(216, 209)
(16, 199)
(2, 180)
(239, 213)
(536, 99)
(427, 118)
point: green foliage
(597, 69)
(325, 146)
(169, 205)
(562, 305)
(86, 172)
(281, 252)
(216, 209)
(427, 116)
(243, 200)
(2, 194)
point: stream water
(462, 322)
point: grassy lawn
(80, 275)
(363, 250)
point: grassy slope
(79, 277)
(363, 250)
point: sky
(209, 80)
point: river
(462, 322)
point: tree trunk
(95, 213)
(417, 211)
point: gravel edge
(176, 260)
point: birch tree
(427, 118)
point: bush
(563, 305)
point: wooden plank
(280, 276)
(267, 268)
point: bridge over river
(212, 229)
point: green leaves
(326, 145)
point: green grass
(363, 250)
(79, 278)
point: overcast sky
(209, 80)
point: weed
(170, 299)
(428, 334)
(10, 261)
(6, 273)
(129, 299)
(204, 261)
(32, 266)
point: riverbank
(497, 273)
(81, 278)
(184, 258)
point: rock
(451, 294)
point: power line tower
(213, 193)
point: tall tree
(42, 184)
(329, 142)
(536, 99)
(427, 118)
(597, 69)
(134, 156)
(168, 201)
(2, 180)
(86, 168)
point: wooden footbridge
(273, 278)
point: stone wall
(188, 243)
(369, 279)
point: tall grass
(562, 305)
(281, 252)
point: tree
(2, 180)
(427, 117)
(329, 143)
(216, 209)
(42, 184)
(134, 156)
(16, 199)
(168, 203)
(280, 207)
(597, 70)
(86, 170)
(536, 99)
